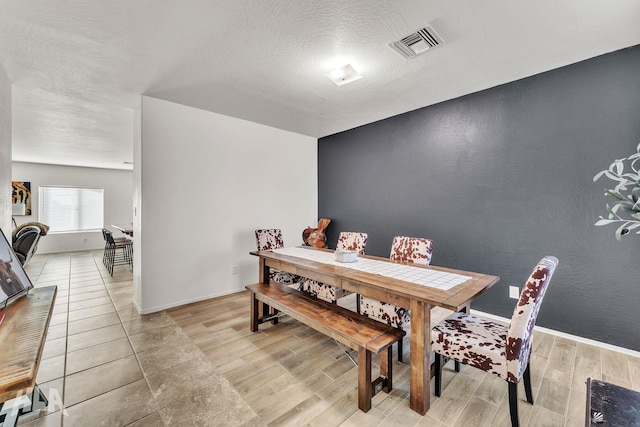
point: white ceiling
(78, 68)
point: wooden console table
(22, 334)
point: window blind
(71, 208)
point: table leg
(263, 271)
(263, 277)
(365, 388)
(420, 390)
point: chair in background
(25, 238)
(503, 350)
(116, 252)
(271, 238)
(411, 250)
(347, 240)
(352, 241)
(106, 245)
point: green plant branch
(626, 193)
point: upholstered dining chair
(503, 350)
(412, 250)
(347, 241)
(271, 238)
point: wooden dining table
(416, 288)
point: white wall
(5, 153)
(137, 183)
(207, 182)
(118, 200)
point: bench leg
(254, 312)
(386, 368)
(268, 311)
(365, 388)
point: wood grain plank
(22, 335)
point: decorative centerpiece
(625, 212)
(345, 255)
(315, 236)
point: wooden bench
(357, 331)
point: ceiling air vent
(417, 43)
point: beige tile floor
(199, 365)
(108, 366)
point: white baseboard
(189, 301)
(474, 312)
(563, 335)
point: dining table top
(440, 286)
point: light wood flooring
(291, 375)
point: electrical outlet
(514, 292)
(235, 269)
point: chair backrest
(108, 236)
(518, 346)
(414, 250)
(352, 241)
(26, 243)
(269, 238)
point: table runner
(408, 273)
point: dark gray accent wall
(499, 179)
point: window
(71, 208)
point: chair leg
(457, 365)
(112, 260)
(438, 368)
(526, 377)
(105, 255)
(110, 257)
(513, 403)
(400, 350)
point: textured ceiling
(78, 68)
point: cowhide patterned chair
(412, 250)
(347, 240)
(503, 350)
(271, 238)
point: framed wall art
(20, 198)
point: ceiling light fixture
(343, 75)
